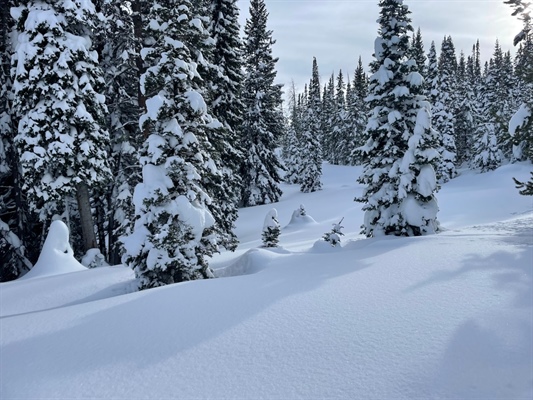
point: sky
(337, 32)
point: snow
(519, 119)
(56, 256)
(440, 316)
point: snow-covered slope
(442, 316)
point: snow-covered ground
(442, 316)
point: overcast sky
(337, 32)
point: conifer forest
(146, 125)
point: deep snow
(441, 316)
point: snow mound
(56, 256)
(300, 217)
(321, 246)
(251, 262)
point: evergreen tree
(262, 123)
(358, 110)
(465, 113)
(399, 155)
(444, 90)
(333, 237)
(311, 164)
(61, 139)
(292, 144)
(174, 229)
(271, 229)
(344, 138)
(121, 67)
(14, 226)
(417, 52)
(328, 112)
(521, 124)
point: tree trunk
(86, 217)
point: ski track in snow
(441, 316)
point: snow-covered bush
(271, 229)
(334, 236)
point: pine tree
(444, 90)
(271, 229)
(521, 124)
(417, 52)
(262, 122)
(292, 143)
(61, 139)
(466, 111)
(311, 164)
(358, 110)
(344, 138)
(333, 237)
(14, 226)
(399, 155)
(122, 68)
(174, 229)
(328, 112)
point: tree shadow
(490, 355)
(146, 329)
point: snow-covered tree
(271, 229)
(174, 229)
(333, 237)
(357, 110)
(417, 52)
(121, 67)
(262, 120)
(342, 132)
(400, 153)
(14, 260)
(61, 140)
(311, 164)
(444, 91)
(292, 149)
(327, 115)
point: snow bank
(56, 256)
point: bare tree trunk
(86, 217)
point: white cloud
(337, 32)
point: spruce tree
(262, 126)
(174, 228)
(15, 231)
(358, 110)
(443, 108)
(61, 141)
(311, 164)
(344, 137)
(328, 111)
(400, 155)
(417, 52)
(271, 229)
(122, 70)
(291, 149)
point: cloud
(337, 32)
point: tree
(521, 124)
(333, 237)
(271, 229)
(399, 155)
(343, 132)
(174, 228)
(262, 125)
(444, 90)
(61, 138)
(357, 110)
(121, 72)
(311, 164)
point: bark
(86, 217)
